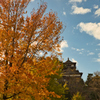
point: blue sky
(82, 34)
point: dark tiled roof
(68, 61)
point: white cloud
(99, 55)
(88, 51)
(71, 1)
(92, 29)
(82, 49)
(64, 13)
(73, 48)
(73, 60)
(98, 60)
(91, 53)
(75, 1)
(77, 49)
(97, 12)
(80, 10)
(95, 6)
(63, 44)
(80, 53)
(32, 0)
(98, 44)
(97, 49)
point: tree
(56, 87)
(93, 81)
(77, 97)
(21, 41)
(93, 86)
(75, 85)
(89, 78)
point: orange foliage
(23, 74)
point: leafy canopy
(21, 42)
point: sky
(82, 33)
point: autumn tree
(22, 39)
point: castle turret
(69, 71)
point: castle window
(72, 65)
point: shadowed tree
(54, 85)
(92, 91)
